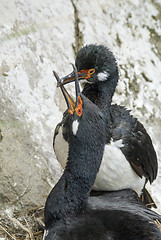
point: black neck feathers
(69, 195)
(101, 93)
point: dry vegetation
(158, 224)
(27, 225)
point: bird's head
(82, 113)
(95, 64)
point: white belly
(61, 148)
(115, 172)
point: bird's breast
(61, 148)
(115, 172)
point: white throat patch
(102, 76)
(75, 126)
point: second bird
(129, 158)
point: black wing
(138, 148)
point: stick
(7, 232)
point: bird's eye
(79, 108)
(91, 71)
(79, 111)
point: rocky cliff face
(39, 36)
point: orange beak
(72, 106)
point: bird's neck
(69, 195)
(101, 94)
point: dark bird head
(96, 66)
(82, 110)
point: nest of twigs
(27, 225)
(158, 224)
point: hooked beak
(69, 101)
(83, 74)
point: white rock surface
(39, 36)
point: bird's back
(113, 216)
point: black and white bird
(129, 159)
(70, 214)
